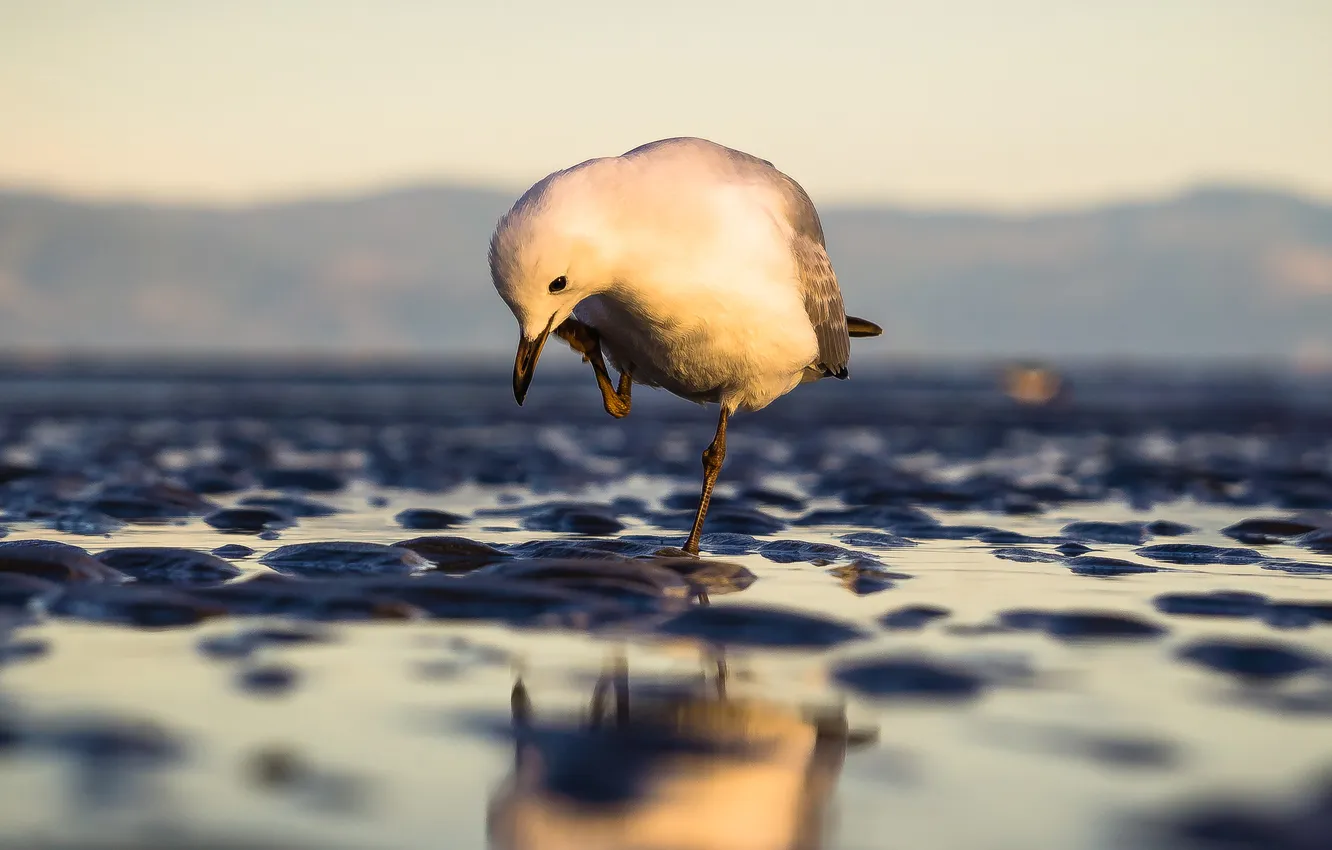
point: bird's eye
(558, 284)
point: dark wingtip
(841, 374)
(861, 327)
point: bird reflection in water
(671, 767)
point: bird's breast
(718, 346)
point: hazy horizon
(957, 105)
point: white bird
(693, 267)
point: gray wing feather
(823, 304)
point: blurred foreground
(305, 605)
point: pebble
(1106, 532)
(1027, 556)
(268, 680)
(878, 539)
(249, 520)
(293, 506)
(54, 561)
(798, 551)
(428, 519)
(1251, 660)
(166, 565)
(909, 678)
(1098, 565)
(1218, 603)
(310, 480)
(131, 605)
(913, 617)
(1266, 531)
(1198, 553)
(1082, 625)
(245, 642)
(572, 519)
(233, 551)
(753, 625)
(343, 558)
(454, 554)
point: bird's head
(545, 257)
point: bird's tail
(862, 327)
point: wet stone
(913, 617)
(152, 503)
(454, 554)
(1002, 537)
(572, 519)
(943, 532)
(1296, 615)
(1299, 568)
(761, 626)
(309, 480)
(130, 605)
(879, 539)
(1166, 528)
(86, 522)
(325, 601)
(740, 520)
(770, 498)
(216, 481)
(589, 548)
(244, 643)
(889, 517)
(428, 519)
(727, 543)
(1244, 824)
(1318, 541)
(342, 559)
(1098, 565)
(1106, 532)
(268, 680)
(165, 565)
(18, 591)
(1251, 660)
(54, 561)
(909, 678)
(639, 585)
(714, 577)
(798, 551)
(863, 578)
(1082, 625)
(1072, 549)
(290, 505)
(1221, 603)
(111, 739)
(504, 600)
(23, 649)
(1198, 553)
(234, 551)
(249, 520)
(1265, 531)
(1027, 556)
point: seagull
(691, 266)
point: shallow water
(988, 702)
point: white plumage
(692, 266)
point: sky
(995, 104)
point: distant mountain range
(1216, 272)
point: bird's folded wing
(823, 304)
